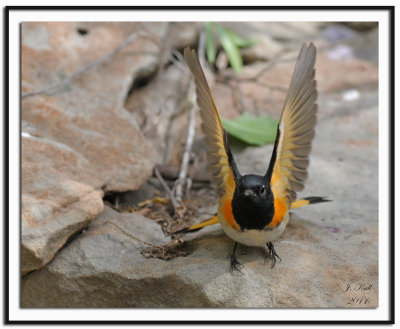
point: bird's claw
(235, 265)
(271, 254)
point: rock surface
(329, 251)
(56, 203)
(78, 140)
(161, 111)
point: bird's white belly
(256, 238)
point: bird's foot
(271, 254)
(235, 265)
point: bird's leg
(235, 265)
(271, 254)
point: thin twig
(89, 66)
(182, 178)
(186, 155)
(189, 182)
(166, 188)
(191, 129)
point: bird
(254, 210)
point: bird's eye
(262, 189)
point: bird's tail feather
(196, 227)
(307, 201)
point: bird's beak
(249, 193)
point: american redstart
(253, 209)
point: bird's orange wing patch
(226, 209)
(226, 202)
(281, 208)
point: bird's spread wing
(289, 161)
(212, 128)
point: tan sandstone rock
(78, 140)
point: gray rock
(47, 225)
(87, 115)
(104, 268)
(157, 109)
(78, 139)
(57, 199)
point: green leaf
(239, 41)
(231, 50)
(252, 130)
(211, 49)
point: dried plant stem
(186, 156)
(182, 178)
(190, 178)
(166, 188)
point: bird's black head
(253, 188)
(253, 202)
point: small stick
(191, 177)
(166, 188)
(191, 129)
(186, 156)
